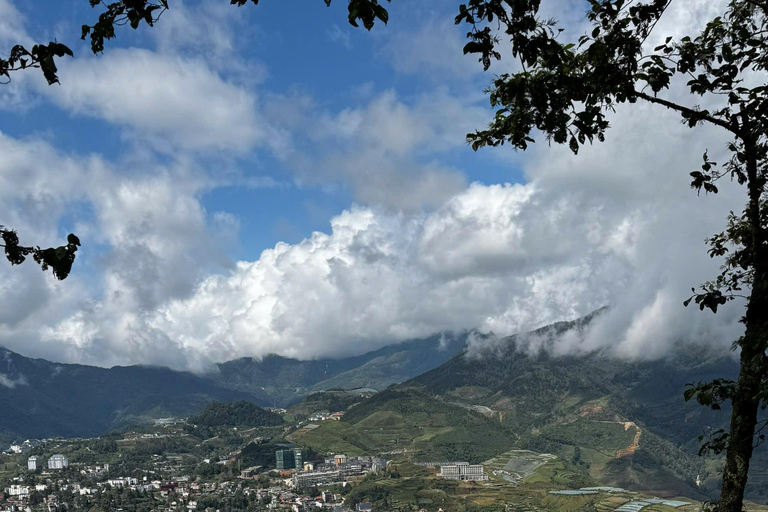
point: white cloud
(390, 152)
(339, 35)
(615, 225)
(146, 237)
(11, 26)
(11, 382)
(12, 32)
(434, 50)
(181, 101)
(217, 33)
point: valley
(541, 428)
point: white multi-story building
(58, 462)
(32, 463)
(463, 471)
(123, 482)
(22, 491)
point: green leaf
(381, 13)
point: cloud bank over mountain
(433, 240)
(584, 232)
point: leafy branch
(59, 259)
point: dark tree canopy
(219, 414)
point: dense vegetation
(76, 400)
(240, 413)
(327, 402)
(553, 405)
(434, 429)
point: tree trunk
(740, 441)
(754, 362)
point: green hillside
(282, 381)
(234, 414)
(409, 422)
(47, 399)
(577, 408)
(328, 401)
(617, 422)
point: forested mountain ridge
(623, 422)
(45, 399)
(282, 381)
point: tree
(565, 91)
(36, 498)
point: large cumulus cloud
(423, 252)
(616, 225)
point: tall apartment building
(58, 462)
(463, 471)
(32, 463)
(288, 459)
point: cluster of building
(94, 471)
(184, 494)
(336, 470)
(55, 462)
(24, 447)
(292, 488)
(169, 422)
(23, 491)
(321, 416)
(280, 498)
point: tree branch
(686, 110)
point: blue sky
(312, 53)
(270, 179)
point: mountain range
(45, 399)
(614, 421)
(440, 398)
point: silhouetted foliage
(134, 13)
(41, 56)
(59, 259)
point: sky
(269, 179)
